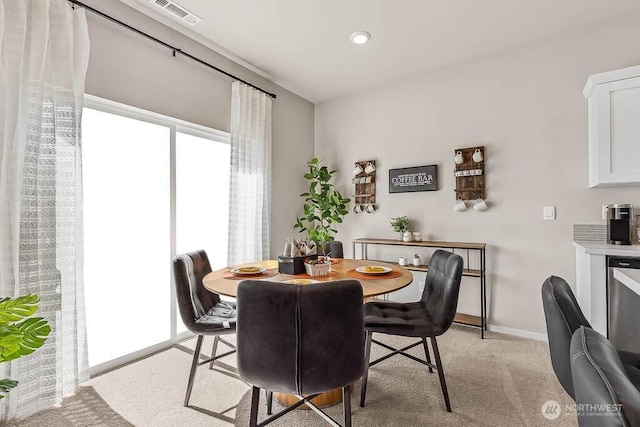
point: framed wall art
(417, 178)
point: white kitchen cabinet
(614, 127)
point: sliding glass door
(202, 198)
(153, 187)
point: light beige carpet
(499, 381)
(85, 408)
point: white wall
(526, 107)
(127, 68)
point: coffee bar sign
(418, 178)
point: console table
(466, 248)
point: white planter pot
(317, 269)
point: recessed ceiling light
(360, 37)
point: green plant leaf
(10, 339)
(323, 206)
(6, 385)
(23, 338)
(15, 309)
(35, 332)
(20, 334)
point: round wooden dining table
(224, 282)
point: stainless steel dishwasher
(623, 307)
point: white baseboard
(518, 332)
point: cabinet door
(614, 133)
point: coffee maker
(619, 224)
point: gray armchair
(430, 317)
(334, 249)
(300, 339)
(202, 311)
(605, 394)
(564, 317)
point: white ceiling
(303, 45)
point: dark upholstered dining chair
(430, 317)
(604, 393)
(301, 340)
(202, 312)
(334, 249)
(563, 317)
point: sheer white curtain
(250, 184)
(44, 51)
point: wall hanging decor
(417, 178)
(470, 177)
(364, 179)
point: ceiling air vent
(172, 8)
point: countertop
(629, 277)
(600, 248)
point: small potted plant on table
(323, 208)
(401, 226)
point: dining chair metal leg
(269, 401)
(346, 402)
(213, 350)
(367, 354)
(255, 398)
(443, 383)
(426, 353)
(194, 366)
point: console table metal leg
(483, 294)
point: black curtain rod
(167, 45)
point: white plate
(373, 269)
(301, 281)
(243, 271)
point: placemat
(306, 276)
(390, 275)
(263, 275)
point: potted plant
(400, 225)
(323, 208)
(19, 334)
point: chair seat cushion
(406, 319)
(220, 316)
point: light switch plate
(549, 213)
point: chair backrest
(193, 299)
(334, 249)
(563, 316)
(300, 339)
(442, 287)
(605, 395)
